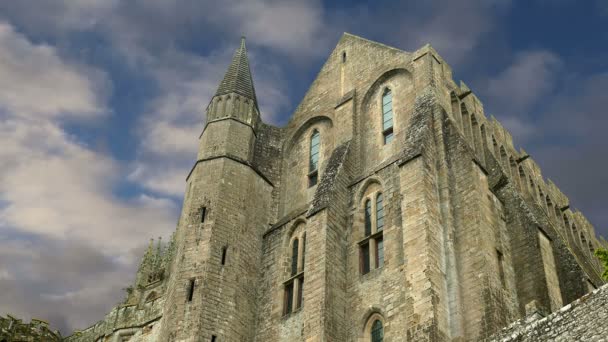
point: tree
(602, 254)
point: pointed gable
(238, 78)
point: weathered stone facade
(581, 320)
(464, 232)
(15, 330)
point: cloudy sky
(101, 104)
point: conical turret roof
(238, 78)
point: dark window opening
(191, 290)
(365, 258)
(344, 57)
(294, 257)
(300, 293)
(213, 338)
(501, 270)
(377, 332)
(368, 218)
(203, 214)
(303, 250)
(288, 298)
(313, 178)
(224, 252)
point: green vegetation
(602, 254)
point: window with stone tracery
(372, 245)
(377, 333)
(373, 331)
(294, 285)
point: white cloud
(521, 130)
(294, 27)
(454, 28)
(524, 82)
(58, 188)
(66, 240)
(36, 82)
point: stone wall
(582, 320)
(15, 330)
(124, 321)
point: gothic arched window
(372, 245)
(377, 332)
(387, 116)
(294, 285)
(313, 161)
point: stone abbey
(389, 208)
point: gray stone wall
(124, 321)
(581, 320)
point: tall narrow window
(224, 252)
(191, 290)
(379, 213)
(379, 252)
(294, 285)
(501, 270)
(213, 338)
(368, 217)
(303, 250)
(365, 257)
(313, 163)
(300, 293)
(288, 298)
(203, 214)
(294, 257)
(387, 116)
(372, 245)
(377, 333)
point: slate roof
(238, 78)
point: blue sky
(101, 105)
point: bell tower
(211, 293)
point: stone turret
(232, 113)
(211, 290)
(152, 267)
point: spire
(238, 77)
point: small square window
(313, 177)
